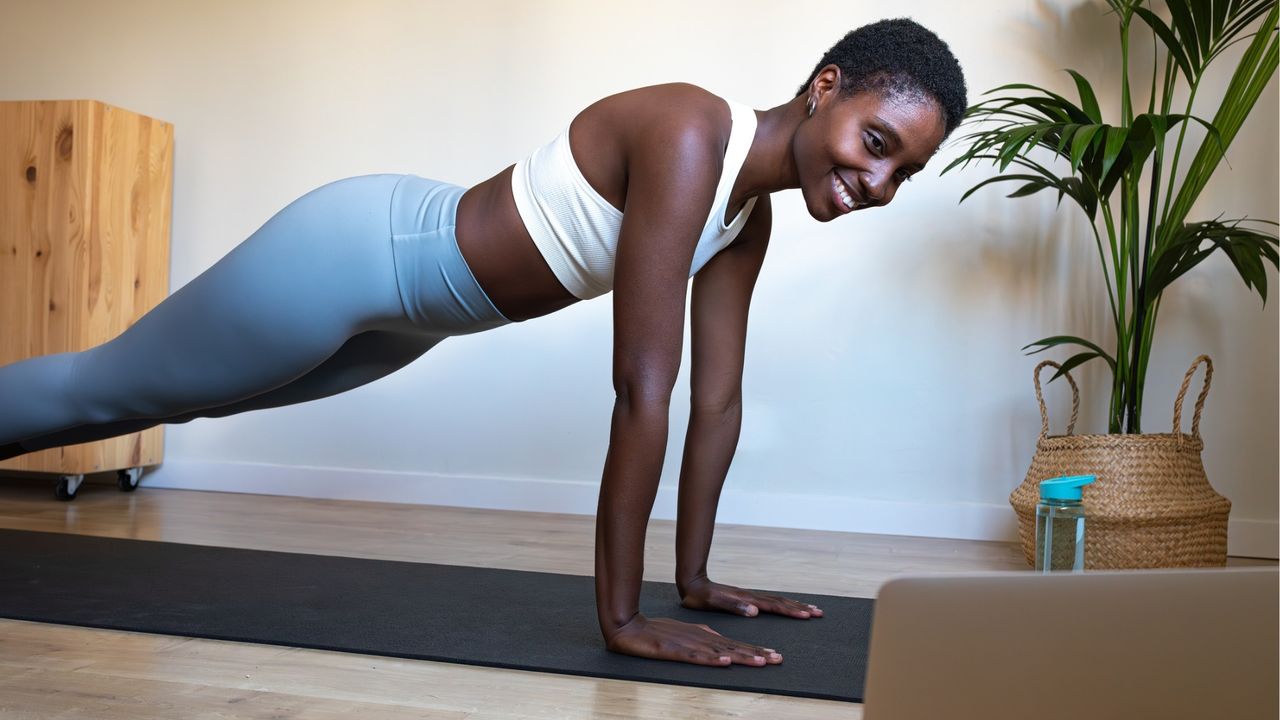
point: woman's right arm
(672, 169)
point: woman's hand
(667, 639)
(702, 594)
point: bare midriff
(497, 247)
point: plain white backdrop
(885, 389)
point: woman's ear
(825, 82)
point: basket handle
(1204, 393)
(1075, 399)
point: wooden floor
(55, 672)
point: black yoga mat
(477, 616)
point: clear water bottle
(1060, 524)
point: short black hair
(898, 56)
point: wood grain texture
(85, 210)
(53, 671)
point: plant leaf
(1247, 250)
(1200, 12)
(1030, 188)
(1081, 143)
(996, 179)
(1073, 362)
(1144, 135)
(1171, 42)
(1056, 340)
(1012, 144)
(1239, 21)
(1088, 101)
(1068, 131)
(1115, 144)
(1186, 27)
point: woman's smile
(846, 199)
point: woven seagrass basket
(1151, 505)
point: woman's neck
(770, 165)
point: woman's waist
(502, 255)
(420, 205)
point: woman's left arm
(721, 299)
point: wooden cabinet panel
(86, 193)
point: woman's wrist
(610, 628)
(684, 585)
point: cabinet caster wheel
(68, 486)
(127, 479)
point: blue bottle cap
(1064, 488)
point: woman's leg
(362, 359)
(274, 309)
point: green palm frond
(1199, 30)
(1044, 141)
(1100, 153)
(1247, 249)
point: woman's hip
(439, 292)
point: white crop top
(576, 229)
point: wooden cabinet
(86, 192)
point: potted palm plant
(1149, 243)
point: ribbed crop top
(576, 229)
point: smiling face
(854, 152)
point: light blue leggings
(345, 285)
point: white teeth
(844, 196)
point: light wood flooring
(54, 672)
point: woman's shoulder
(649, 123)
(677, 107)
(674, 92)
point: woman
(641, 191)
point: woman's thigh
(276, 307)
(361, 360)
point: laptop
(1128, 645)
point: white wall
(884, 389)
